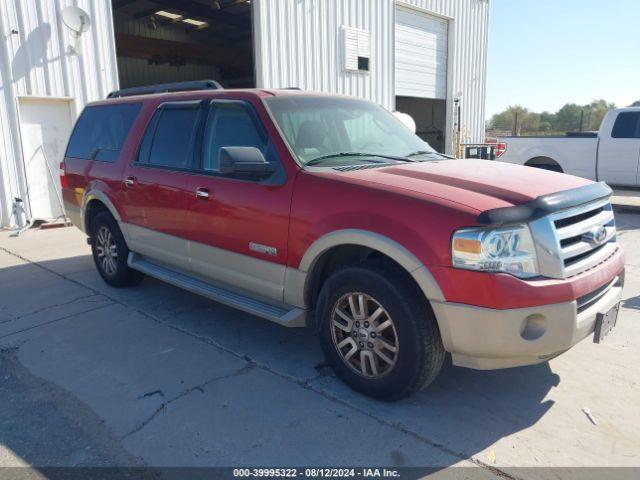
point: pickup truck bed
(574, 155)
(612, 154)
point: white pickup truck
(611, 155)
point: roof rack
(167, 87)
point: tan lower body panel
(74, 214)
(484, 338)
(254, 276)
(164, 249)
(260, 277)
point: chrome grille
(564, 246)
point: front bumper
(486, 338)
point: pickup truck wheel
(110, 252)
(377, 331)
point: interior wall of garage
(134, 72)
(35, 61)
(298, 45)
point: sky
(545, 53)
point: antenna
(78, 21)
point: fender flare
(551, 153)
(102, 198)
(375, 241)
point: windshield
(318, 128)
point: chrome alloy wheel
(364, 335)
(107, 251)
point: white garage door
(421, 55)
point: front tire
(110, 252)
(378, 332)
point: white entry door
(45, 126)
(421, 48)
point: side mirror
(244, 161)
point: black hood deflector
(545, 204)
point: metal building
(422, 57)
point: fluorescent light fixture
(172, 16)
(197, 23)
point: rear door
(155, 185)
(238, 226)
(619, 152)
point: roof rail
(167, 87)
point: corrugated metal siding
(35, 62)
(298, 44)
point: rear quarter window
(101, 131)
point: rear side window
(172, 144)
(101, 131)
(627, 125)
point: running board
(295, 317)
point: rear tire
(378, 332)
(110, 252)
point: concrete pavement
(92, 375)
(626, 201)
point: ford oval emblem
(595, 236)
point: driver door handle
(202, 193)
(129, 181)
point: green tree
(544, 127)
(505, 119)
(548, 118)
(568, 118)
(595, 112)
(515, 119)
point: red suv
(326, 211)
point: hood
(479, 184)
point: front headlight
(502, 249)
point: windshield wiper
(317, 160)
(428, 152)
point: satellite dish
(76, 20)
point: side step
(294, 317)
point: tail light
(64, 183)
(501, 147)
